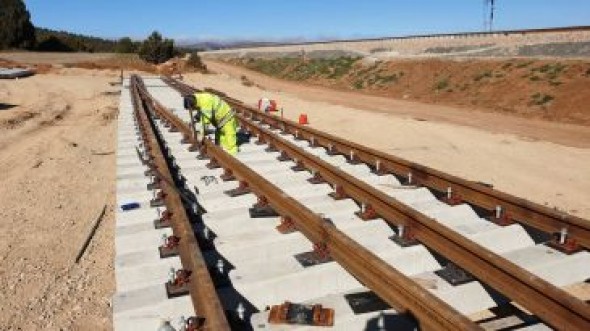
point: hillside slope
(555, 90)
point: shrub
(194, 61)
(482, 75)
(541, 99)
(442, 84)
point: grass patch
(535, 78)
(482, 75)
(551, 71)
(540, 99)
(524, 64)
(442, 84)
(507, 65)
(358, 84)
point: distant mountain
(208, 45)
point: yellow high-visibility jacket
(217, 112)
(213, 109)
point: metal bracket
(283, 157)
(193, 147)
(158, 201)
(193, 323)
(179, 285)
(262, 209)
(352, 159)
(567, 246)
(185, 139)
(287, 226)
(170, 247)
(164, 220)
(338, 193)
(154, 184)
(316, 179)
(298, 166)
(227, 176)
(404, 237)
(504, 220)
(453, 200)
(242, 189)
(319, 255)
(213, 164)
(366, 213)
(454, 275)
(271, 148)
(260, 141)
(291, 313)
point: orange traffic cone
(303, 119)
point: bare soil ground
(483, 119)
(57, 145)
(54, 57)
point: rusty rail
(551, 304)
(202, 291)
(513, 208)
(401, 292)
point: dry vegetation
(547, 89)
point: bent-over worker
(212, 110)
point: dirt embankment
(57, 160)
(554, 90)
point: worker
(212, 110)
(266, 105)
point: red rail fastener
(177, 284)
(291, 313)
(452, 198)
(316, 179)
(164, 220)
(169, 246)
(227, 175)
(366, 213)
(213, 164)
(242, 189)
(338, 193)
(563, 243)
(287, 226)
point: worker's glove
(197, 117)
(189, 102)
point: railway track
(520, 32)
(418, 236)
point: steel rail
(398, 290)
(545, 300)
(513, 208)
(204, 297)
(550, 303)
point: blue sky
(310, 19)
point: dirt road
(57, 144)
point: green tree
(16, 29)
(125, 45)
(155, 49)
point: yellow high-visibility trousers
(228, 138)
